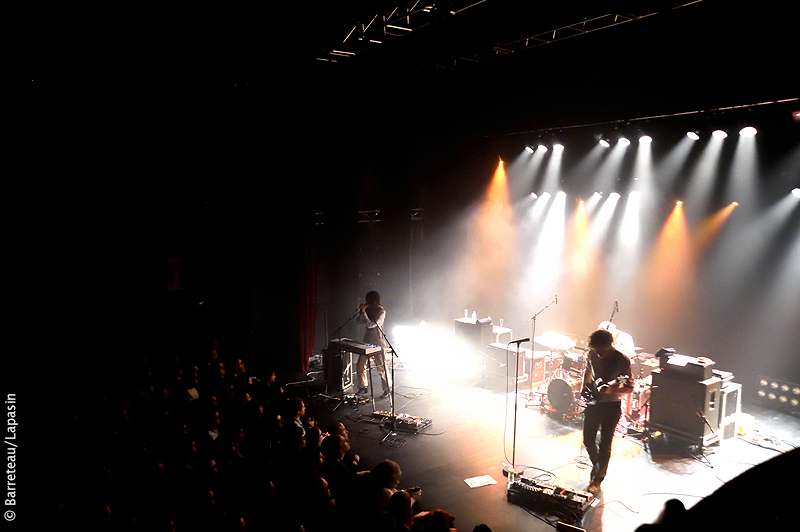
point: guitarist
(606, 380)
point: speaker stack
(685, 400)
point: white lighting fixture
(528, 149)
(533, 195)
(693, 135)
(604, 143)
(645, 139)
(796, 192)
(614, 195)
(624, 142)
(558, 147)
(719, 134)
(748, 131)
(542, 147)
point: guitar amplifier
(685, 408)
(499, 359)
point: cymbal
(555, 341)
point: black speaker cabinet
(475, 334)
(499, 360)
(685, 408)
(338, 369)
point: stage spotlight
(558, 147)
(604, 143)
(679, 202)
(719, 134)
(693, 135)
(645, 139)
(735, 203)
(528, 149)
(614, 195)
(533, 195)
(542, 147)
(624, 142)
(796, 192)
(748, 131)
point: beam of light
(522, 173)
(552, 173)
(543, 258)
(582, 266)
(432, 353)
(744, 172)
(630, 229)
(781, 304)
(704, 175)
(668, 276)
(623, 263)
(711, 227)
(533, 170)
(537, 208)
(593, 202)
(608, 171)
(643, 180)
(491, 242)
(671, 167)
(588, 163)
(602, 221)
(738, 256)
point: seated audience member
(341, 480)
(435, 521)
(318, 508)
(400, 512)
(295, 411)
(351, 459)
(382, 483)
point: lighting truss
(377, 29)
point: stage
(472, 434)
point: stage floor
(472, 434)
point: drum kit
(560, 391)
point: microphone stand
(393, 432)
(613, 311)
(533, 351)
(512, 471)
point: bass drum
(562, 394)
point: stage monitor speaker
(475, 334)
(685, 408)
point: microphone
(519, 341)
(556, 298)
(616, 305)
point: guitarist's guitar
(593, 389)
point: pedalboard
(567, 503)
(405, 422)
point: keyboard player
(372, 315)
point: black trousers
(602, 417)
